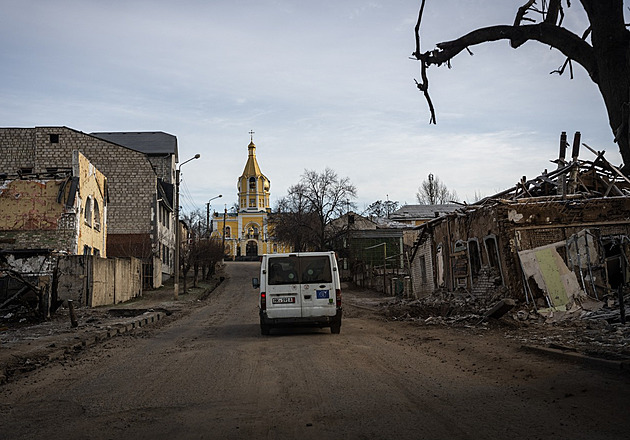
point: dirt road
(211, 375)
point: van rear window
(299, 270)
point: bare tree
(311, 204)
(198, 252)
(294, 222)
(381, 208)
(433, 192)
(603, 50)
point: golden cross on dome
(251, 135)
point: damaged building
(53, 225)
(64, 209)
(558, 241)
(140, 172)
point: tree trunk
(611, 48)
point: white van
(299, 289)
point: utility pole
(224, 216)
(178, 239)
(208, 228)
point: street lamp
(208, 230)
(177, 234)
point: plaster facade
(63, 211)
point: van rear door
(283, 288)
(316, 285)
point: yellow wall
(92, 191)
(242, 227)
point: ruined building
(550, 240)
(140, 219)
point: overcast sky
(324, 83)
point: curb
(575, 357)
(88, 339)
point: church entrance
(252, 249)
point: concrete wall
(92, 281)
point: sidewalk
(26, 347)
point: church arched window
(252, 183)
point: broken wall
(470, 250)
(33, 215)
(92, 205)
(424, 278)
(479, 247)
(131, 178)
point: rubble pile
(444, 307)
(599, 333)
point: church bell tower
(253, 185)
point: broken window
(615, 257)
(88, 211)
(459, 246)
(54, 138)
(474, 259)
(492, 252)
(97, 216)
(423, 269)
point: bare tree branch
(559, 38)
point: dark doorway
(252, 249)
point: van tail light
(338, 295)
(263, 301)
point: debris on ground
(598, 332)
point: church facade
(247, 233)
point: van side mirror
(255, 283)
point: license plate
(322, 294)
(284, 300)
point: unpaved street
(211, 375)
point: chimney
(576, 146)
(563, 149)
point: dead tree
(603, 50)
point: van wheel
(264, 329)
(335, 329)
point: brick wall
(422, 271)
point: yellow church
(248, 233)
